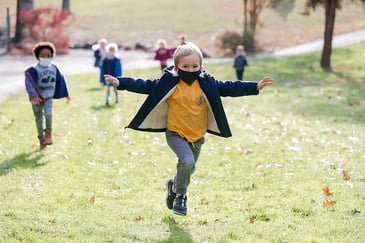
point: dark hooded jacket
(152, 115)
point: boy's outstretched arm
(265, 81)
(111, 79)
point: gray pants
(40, 110)
(187, 154)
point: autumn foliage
(45, 24)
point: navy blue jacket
(152, 115)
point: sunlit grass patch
(99, 182)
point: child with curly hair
(44, 82)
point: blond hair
(102, 41)
(113, 46)
(160, 42)
(186, 50)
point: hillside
(146, 21)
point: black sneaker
(170, 194)
(179, 207)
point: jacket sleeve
(237, 88)
(29, 85)
(234, 88)
(137, 85)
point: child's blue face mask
(188, 77)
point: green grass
(127, 22)
(262, 185)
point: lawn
(293, 170)
(129, 22)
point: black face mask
(188, 77)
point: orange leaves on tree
(47, 24)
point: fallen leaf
(51, 221)
(329, 203)
(258, 165)
(252, 221)
(248, 152)
(138, 218)
(92, 199)
(204, 202)
(346, 175)
(326, 190)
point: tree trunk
(248, 36)
(330, 10)
(253, 17)
(21, 4)
(66, 5)
(245, 17)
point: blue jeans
(187, 154)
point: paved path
(75, 62)
(338, 41)
(81, 61)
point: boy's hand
(265, 81)
(113, 80)
(68, 99)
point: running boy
(185, 104)
(43, 82)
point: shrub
(46, 24)
(225, 43)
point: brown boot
(42, 144)
(48, 138)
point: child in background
(99, 54)
(184, 103)
(112, 65)
(240, 61)
(162, 54)
(44, 82)
(182, 39)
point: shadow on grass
(337, 94)
(177, 233)
(94, 89)
(24, 160)
(102, 107)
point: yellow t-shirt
(188, 111)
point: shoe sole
(178, 213)
(167, 197)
